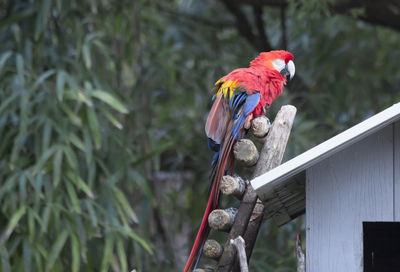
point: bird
(240, 96)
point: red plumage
(240, 96)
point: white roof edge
(327, 148)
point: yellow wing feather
(227, 87)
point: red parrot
(240, 96)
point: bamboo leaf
(31, 225)
(92, 213)
(73, 117)
(94, 126)
(60, 84)
(75, 253)
(76, 141)
(57, 161)
(44, 221)
(20, 68)
(3, 58)
(8, 101)
(43, 159)
(46, 135)
(56, 249)
(38, 260)
(86, 55)
(107, 254)
(71, 157)
(121, 254)
(88, 150)
(78, 181)
(42, 17)
(5, 258)
(143, 185)
(159, 149)
(27, 251)
(42, 78)
(137, 238)
(111, 118)
(125, 204)
(110, 100)
(73, 197)
(13, 223)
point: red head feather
(265, 58)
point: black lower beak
(285, 71)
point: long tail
(225, 160)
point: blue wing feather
(248, 106)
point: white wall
(352, 186)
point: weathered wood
(396, 147)
(253, 227)
(222, 220)
(233, 185)
(203, 270)
(260, 127)
(300, 258)
(245, 152)
(212, 249)
(353, 186)
(271, 156)
(238, 243)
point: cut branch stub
(260, 127)
(245, 152)
(233, 185)
(222, 219)
(212, 249)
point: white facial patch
(279, 64)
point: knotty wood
(271, 155)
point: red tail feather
(225, 159)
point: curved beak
(289, 70)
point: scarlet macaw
(240, 96)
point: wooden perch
(232, 185)
(240, 248)
(260, 127)
(270, 157)
(207, 269)
(300, 257)
(212, 249)
(245, 152)
(222, 219)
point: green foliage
(103, 156)
(65, 157)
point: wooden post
(300, 257)
(271, 156)
(239, 244)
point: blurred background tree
(103, 159)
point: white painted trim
(263, 183)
